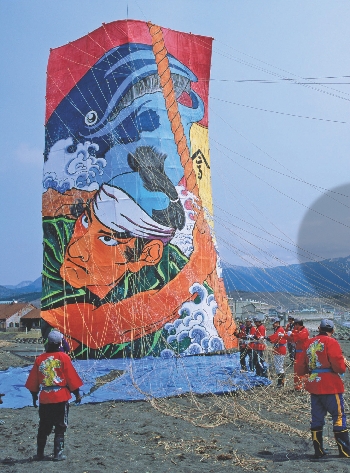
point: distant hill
(5, 292)
(20, 285)
(327, 277)
(22, 291)
(27, 286)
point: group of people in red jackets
(252, 344)
(319, 365)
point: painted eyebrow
(111, 233)
(115, 235)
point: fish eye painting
(131, 267)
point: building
(11, 314)
(31, 320)
(248, 308)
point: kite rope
(166, 82)
(160, 54)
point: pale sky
(270, 163)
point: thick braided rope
(160, 54)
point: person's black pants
(243, 352)
(291, 351)
(53, 415)
(259, 363)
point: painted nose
(79, 249)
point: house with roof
(31, 320)
(11, 314)
(248, 308)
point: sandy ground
(262, 430)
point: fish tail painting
(130, 262)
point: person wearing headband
(120, 279)
(112, 237)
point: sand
(264, 430)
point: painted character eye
(106, 240)
(84, 221)
(91, 118)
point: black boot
(58, 446)
(317, 440)
(41, 442)
(280, 380)
(342, 439)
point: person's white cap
(55, 337)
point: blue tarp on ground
(144, 378)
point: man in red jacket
(324, 362)
(244, 350)
(257, 335)
(299, 335)
(278, 338)
(53, 377)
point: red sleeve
(32, 382)
(305, 334)
(335, 357)
(73, 379)
(241, 332)
(262, 331)
(300, 335)
(275, 337)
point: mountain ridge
(329, 276)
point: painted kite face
(95, 256)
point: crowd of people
(318, 362)
(318, 368)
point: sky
(279, 140)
